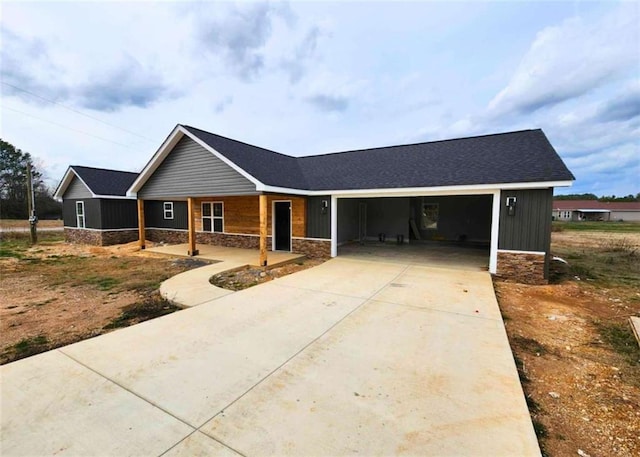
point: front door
(282, 226)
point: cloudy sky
(103, 84)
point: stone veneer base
(524, 267)
(99, 237)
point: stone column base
(522, 266)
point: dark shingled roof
(106, 182)
(523, 156)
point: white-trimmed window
(168, 210)
(213, 217)
(80, 215)
(430, 216)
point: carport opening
(450, 230)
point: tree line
(604, 198)
(13, 186)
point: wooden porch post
(263, 230)
(141, 237)
(192, 228)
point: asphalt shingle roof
(106, 182)
(523, 156)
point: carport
(457, 230)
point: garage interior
(452, 231)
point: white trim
(166, 211)
(417, 191)
(310, 239)
(495, 232)
(212, 217)
(167, 146)
(113, 197)
(515, 251)
(273, 224)
(102, 230)
(83, 215)
(334, 226)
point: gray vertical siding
(92, 217)
(118, 213)
(77, 190)
(154, 215)
(318, 223)
(530, 228)
(189, 170)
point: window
(80, 215)
(213, 217)
(168, 210)
(429, 216)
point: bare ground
(578, 360)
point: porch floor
(429, 253)
(230, 255)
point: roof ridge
(103, 169)
(419, 143)
(238, 141)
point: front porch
(230, 256)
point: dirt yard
(576, 354)
(55, 294)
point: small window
(168, 210)
(80, 215)
(213, 217)
(430, 216)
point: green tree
(13, 185)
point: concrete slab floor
(342, 361)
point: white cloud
(570, 60)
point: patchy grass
(27, 346)
(586, 226)
(621, 339)
(150, 308)
(24, 223)
(15, 244)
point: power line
(64, 126)
(77, 111)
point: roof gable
(99, 182)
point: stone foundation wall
(523, 267)
(99, 237)
(314, 249)
(230, 241)
(166, 236)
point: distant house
(593, 210)
(95, 206)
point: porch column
(334, 226)
(495, 227)
(141, 237)
(263, 230)
(192, 228)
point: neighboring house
(593, 210)
(202, 188)
(95, 206)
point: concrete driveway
(349, 357)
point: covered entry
(448, 230)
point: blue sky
(102, 84)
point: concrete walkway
(349, 357)
(193, 288)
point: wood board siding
(189, 170)
(530, 228)
(318, 221)
(242, 213)
(154, 215)
(77, 190)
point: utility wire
(64, 126)
(76, 111)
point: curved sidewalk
(193, 288)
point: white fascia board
(417, 191)
(66, 180)
(114, 197)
